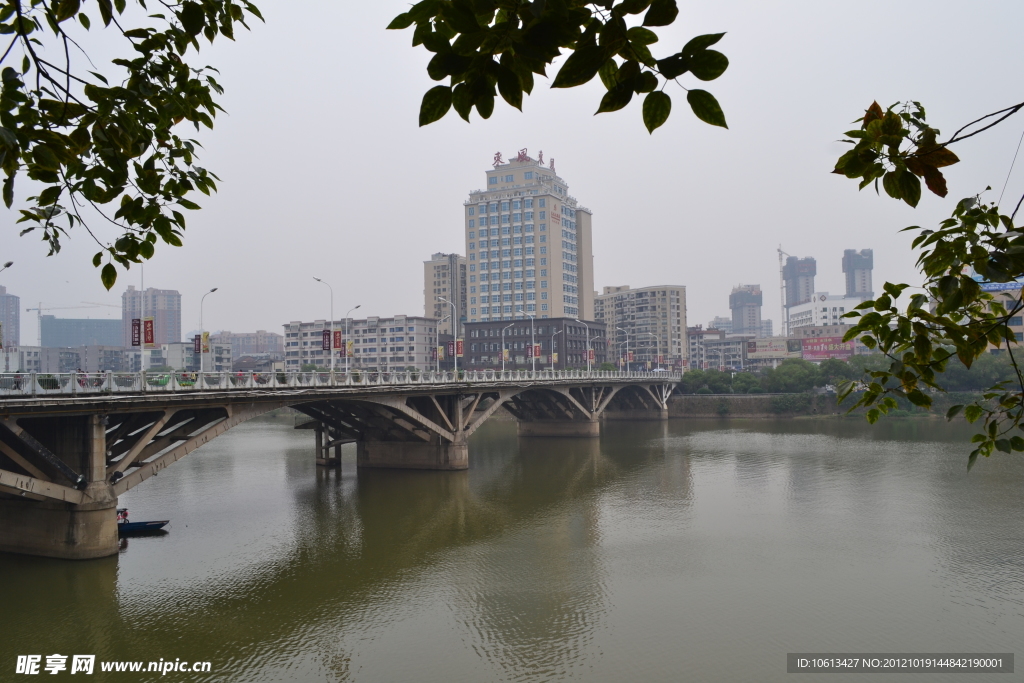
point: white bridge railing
(83, 383)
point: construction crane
(784, 319)
(39, 314)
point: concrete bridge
(71, 443)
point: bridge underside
(61, 474)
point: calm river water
(686, 551)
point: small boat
(126, 528)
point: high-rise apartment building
(722, 324)
(163, 305)
(745, 304)
(67, 332)
(529, 245)
(653, 319)
(444, 277)
(10, 318)
(798, 275)
(857, 266)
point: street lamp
(455, 334)
(588, 341)
(6, 266)
(437, 343)
(533, 345)
(594, 339)
(331, 345)
(344, 345)
(627, 346)
(657, 343)
(552, 350)
(503, 346)
(202, 330)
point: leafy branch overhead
(104, 148)
(953, 315)
(490, 47)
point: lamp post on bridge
(202, 330)
(533, 345)
(455, 335)
(437, 343)
(344, 343)
(552, 351)
(503, 346)
(594, 340)
(588, 342)
(626, 332)
(657, 344)
(331, 345)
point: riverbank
(774, 406)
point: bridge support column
(567, 428)
(437, 454)
(52, 528)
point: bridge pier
(437, 454)
(83, 525)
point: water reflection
(644, 554)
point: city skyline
(670, 206)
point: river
(680, 551)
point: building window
(493, 180)
(543, 214)
(509, 178)
(542, 202)
(528, 175)
(472, 223)
(504, 206)
(471, 210)
(543, 227)
(494, 220)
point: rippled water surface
(686, 551)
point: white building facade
(393, 343)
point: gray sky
(326, 173)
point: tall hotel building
(529, 245)
(444, 277)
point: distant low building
(822, 309)
(258, 343)
(22, 359)
(394, 343)
(74, 332)
(562, 336)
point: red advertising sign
(136, 332)
(630, 356)
(529, 350)
(197, 342)
(458, 348)
(590, 354)
(823, 348)
(451, 349)
(433, 354)
(337, 340)
(326, 344)
(147, 331)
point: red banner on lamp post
(197, 344)
(451, 349)
(590, 354)
(337, 340)
(458, 348)
(326, 342)
(136, 332)
(147, 331)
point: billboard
(823, 348)
(774, 347)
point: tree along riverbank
(796, 405)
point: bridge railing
(80, 383)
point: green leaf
(108, 275)
(436, 103)
(462, 100)
(509, 87)
(403, 20)
(9, 191)
(616, 98)
(192, 17)
(657, 107)
(66, 9)
(972, 412)
(45, 158)
(641, 35)
(608, 73)
(582, 65)
(1003, 445)
(84, 19)
(707, 65)
(706, 107)
(97, 259)
(700, 43)
(910, 188)
(661, 13)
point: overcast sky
(325, 172)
